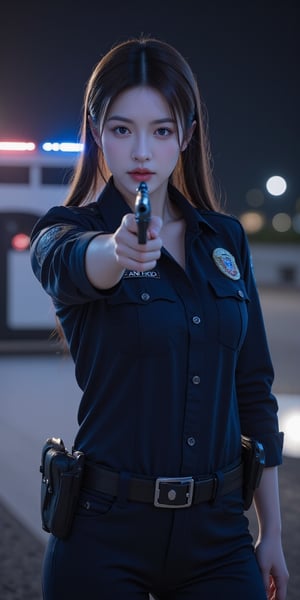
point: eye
(121, 130)
(163, 131)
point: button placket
(193, 405)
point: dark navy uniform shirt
(173, 364)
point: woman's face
(141, 141)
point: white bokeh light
(290, 424)
(282, 222)
(276, 185)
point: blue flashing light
(62, 147)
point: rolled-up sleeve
(254, 377)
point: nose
(141, 151)
(139, 157)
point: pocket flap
(224, 288)
(137, 293)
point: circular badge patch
(226, 263)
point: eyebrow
(155, 122)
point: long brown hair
(154, 63)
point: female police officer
(170, 353)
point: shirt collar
(113, 208)
(194, 217)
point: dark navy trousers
(119, 549)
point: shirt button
(196, 379)
(191, 441)
(241, 294)
(145, 297)
(196, 320)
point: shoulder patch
(48, 238)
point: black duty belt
(165, 492)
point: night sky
(245, 55)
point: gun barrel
(142, 212)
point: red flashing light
(17, 146)
(20, 242)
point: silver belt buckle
(176, 492)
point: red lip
(139, 175)
(140, 172)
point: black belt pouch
(61, 480)
(253, 457)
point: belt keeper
(218, 481)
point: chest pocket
(143, 317)
(231, 301)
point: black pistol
(142, 212)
